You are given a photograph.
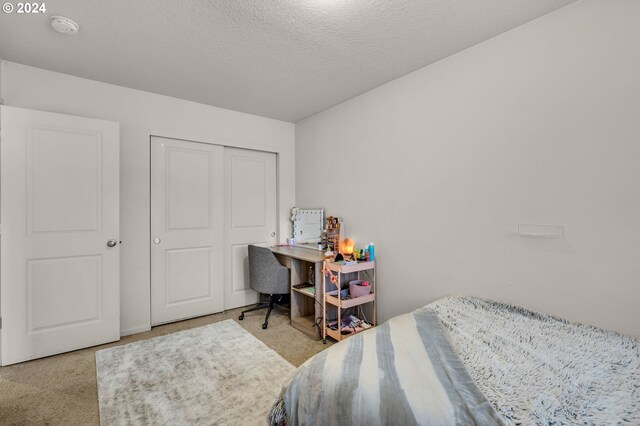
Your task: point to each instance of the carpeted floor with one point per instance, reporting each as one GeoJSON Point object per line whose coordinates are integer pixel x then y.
{"type": "Point", "coordinates": [62, 389]}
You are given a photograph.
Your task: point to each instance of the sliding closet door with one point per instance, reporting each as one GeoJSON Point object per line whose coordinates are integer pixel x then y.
{"type": "Point", "coordinates": [187, 195]}
{"type": "Point", "coordinates": [250, 217]}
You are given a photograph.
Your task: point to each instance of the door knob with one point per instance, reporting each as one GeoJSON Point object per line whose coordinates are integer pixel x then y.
{"type": "Point", "coordinates": [111, 243]}
{"type": "Point", "coordinates": [273, 234]}
{"type": "Point", "coordinates": [156, 240]}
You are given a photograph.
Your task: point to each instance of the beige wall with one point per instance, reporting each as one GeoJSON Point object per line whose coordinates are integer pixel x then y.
{"type": "Point", "coordinates": [140, 115]}
{"type": "Point", "coordinates": [540, 125]}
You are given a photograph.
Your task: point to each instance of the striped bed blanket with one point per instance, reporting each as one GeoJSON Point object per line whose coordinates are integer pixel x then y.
{"type": "Point", "coordinates": [466, 361]}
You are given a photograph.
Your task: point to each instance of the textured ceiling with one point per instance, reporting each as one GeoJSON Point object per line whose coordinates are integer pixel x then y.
{"type": "Point", "coordinates": [285, 59]}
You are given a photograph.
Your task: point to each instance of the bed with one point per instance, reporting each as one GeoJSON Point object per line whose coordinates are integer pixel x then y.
{"type": "Point", "coordinates": [465, 361]}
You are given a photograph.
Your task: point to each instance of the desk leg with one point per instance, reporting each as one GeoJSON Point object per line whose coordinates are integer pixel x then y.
{"type": "Point", "coordinates": [295, 278]}
{"type": "Point", "coordinates": [320, 306]}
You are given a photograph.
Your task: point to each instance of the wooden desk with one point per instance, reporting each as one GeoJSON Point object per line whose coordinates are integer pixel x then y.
{"type": "Point", "coordinates": [305, 308]}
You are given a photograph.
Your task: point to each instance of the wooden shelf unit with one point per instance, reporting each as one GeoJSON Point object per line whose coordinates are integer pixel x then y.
{"type": "Point", "coordinates": [305, 264]}
{"type": "Point", "coordinates": [337, 301]}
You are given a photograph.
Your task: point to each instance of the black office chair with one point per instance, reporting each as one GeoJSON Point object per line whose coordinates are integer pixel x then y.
{"type": "Point", "coordinates": [266, 276]}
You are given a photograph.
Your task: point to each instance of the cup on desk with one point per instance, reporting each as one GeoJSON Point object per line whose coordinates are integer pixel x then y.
{"type": "Point", "coordinates": [291, 241]}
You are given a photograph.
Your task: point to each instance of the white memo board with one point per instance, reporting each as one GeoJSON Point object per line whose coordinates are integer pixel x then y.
{"type": "Point", "coordinates": [307, 225]}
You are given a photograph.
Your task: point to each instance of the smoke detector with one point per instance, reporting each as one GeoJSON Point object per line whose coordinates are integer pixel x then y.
{"type": "Point", "coordinates": [65, 25]}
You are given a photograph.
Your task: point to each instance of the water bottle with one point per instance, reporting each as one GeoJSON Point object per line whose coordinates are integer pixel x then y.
{"type": "Point", "coordinates": [372, 251]}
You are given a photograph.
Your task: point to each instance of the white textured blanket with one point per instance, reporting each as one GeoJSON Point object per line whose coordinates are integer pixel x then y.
{"type": "Point", "coordinates": [464, 360]}
{"type": "Point", "coordinates": [538, 369]}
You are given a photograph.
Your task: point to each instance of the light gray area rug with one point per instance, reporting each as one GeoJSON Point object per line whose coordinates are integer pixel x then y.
{"type": "Point", "coordinates": [217, 374]}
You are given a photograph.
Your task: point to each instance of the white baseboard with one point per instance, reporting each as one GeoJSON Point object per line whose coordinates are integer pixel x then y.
{"type": "Point", "coordinates": [134, 330]}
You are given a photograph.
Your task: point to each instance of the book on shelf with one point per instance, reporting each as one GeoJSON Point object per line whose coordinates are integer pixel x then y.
{"type": "Point", "coordinates": [306, 288]}
{"type": "Point", "coordinates": [309, 290]}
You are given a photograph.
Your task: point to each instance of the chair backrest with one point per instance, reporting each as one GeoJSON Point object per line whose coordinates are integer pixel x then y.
{"type": "Point", "coordinates": [266, 274]}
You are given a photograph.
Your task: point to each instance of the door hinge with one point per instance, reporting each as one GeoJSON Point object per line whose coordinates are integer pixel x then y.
{"type": "Point", "coordinates": [0, 323]}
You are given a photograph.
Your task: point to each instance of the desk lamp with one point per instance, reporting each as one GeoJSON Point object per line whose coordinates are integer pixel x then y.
{"type": "Point", "coordinates": [346, 248]}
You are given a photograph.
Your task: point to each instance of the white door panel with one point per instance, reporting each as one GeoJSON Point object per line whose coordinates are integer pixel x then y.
{"type": "Point", "coordinates": [186, 229]}
{"type": "Point", "coordinates": [250, 217]}
{"type": "Point", "coordinates": [60, 204]}
{"type": "Point", "coordinates": [189, 273]}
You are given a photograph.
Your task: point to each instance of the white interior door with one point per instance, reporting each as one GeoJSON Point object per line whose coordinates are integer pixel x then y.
{"type": "Point", "coordinates": [250, 217]}
{"type": "Point", "coordinates": [186, 229]}
{"type": "Point", "coordinates": [60, 204]}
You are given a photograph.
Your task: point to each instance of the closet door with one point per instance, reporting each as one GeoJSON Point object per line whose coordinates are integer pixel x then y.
{"type": "Point", "coordinates": [187, 195]}
{"type": "Point", "coordinates": [250, 217]}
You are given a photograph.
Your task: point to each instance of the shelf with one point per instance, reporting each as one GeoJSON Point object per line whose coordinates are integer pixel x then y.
{"type": "Point", "coordinates": [349, 303]}
{"type": "Point", "coordinates": [345, 269]}
{"type": "Point", "coordinates": [342, 272]}
{"type": "Point", "coordinates": [305, 291]}
{"type": "Point", "coordinates": [335, 334]}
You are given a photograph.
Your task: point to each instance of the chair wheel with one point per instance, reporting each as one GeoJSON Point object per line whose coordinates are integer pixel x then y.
{"type": "Point", "coordinates": [265, 325]}
{"type": "Point", "coordinates": [324, 341]}
{"type": "Point", "coordinates": [241, 317]}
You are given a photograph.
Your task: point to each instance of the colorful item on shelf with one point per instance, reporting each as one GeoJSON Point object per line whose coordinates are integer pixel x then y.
{"type": "Point", "coordinates": [362, 255]}
{"type": "Point", "coordinates": [327, 272]}
{"type": "Point", "coordinates": [358, 289]}
{"type": "Point", "coordinates": [346, 262]}
{"type": "Point", "coordinates": [346, 246]}
{"type": "Point", "coordinates": [351, 324]}
{"type": "Point", "coordinates": [332, 234]}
